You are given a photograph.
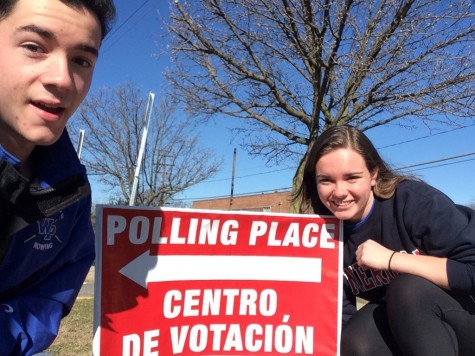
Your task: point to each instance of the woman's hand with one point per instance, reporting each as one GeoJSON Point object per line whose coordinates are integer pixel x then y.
{"type": "Point", "coordinates": [373, 255]}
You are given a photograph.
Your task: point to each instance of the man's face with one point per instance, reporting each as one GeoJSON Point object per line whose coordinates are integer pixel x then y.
{"type": "Point", "coordinates": [48, 51]}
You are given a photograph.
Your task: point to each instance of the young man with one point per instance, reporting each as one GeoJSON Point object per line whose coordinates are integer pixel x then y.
{"type": "Point", "coordinates": [48, 49]}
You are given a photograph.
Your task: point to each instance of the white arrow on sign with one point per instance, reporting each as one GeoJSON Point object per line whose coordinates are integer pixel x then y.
{"type": "Point", "coordinates": [147, 268]}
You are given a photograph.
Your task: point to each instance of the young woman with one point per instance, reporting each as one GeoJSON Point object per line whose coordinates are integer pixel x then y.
{"type": "Point", "coordinates": [408, 250]}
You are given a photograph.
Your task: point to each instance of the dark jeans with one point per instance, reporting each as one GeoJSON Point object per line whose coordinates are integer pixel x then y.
{"type": "Point", "coordinates": [416, 318]}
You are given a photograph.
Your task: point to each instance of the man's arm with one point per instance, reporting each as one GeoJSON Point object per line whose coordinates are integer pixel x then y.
{"type": "Point", "coordinates": [29, 323]}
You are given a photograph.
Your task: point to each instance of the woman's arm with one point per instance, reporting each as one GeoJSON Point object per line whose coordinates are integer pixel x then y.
{"type": "Point", "coordinates": [373, 255]}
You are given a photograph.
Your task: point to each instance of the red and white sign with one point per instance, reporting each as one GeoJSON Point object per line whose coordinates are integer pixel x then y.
{"type": "Point", "coordinates": [196, 282]}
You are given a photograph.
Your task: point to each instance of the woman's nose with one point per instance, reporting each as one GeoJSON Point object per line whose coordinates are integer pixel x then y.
{"type": "Point", "coordinates": [340, 189]}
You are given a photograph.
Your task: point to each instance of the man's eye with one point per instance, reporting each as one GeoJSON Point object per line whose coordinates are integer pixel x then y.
{"type": "Point", "coordinates": [32, 47]}
{"type": "Point", "coordinates": [83, 62]}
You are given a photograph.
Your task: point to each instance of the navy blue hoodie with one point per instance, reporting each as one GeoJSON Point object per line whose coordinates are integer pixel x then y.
{"type": "Point", "coordinates": [417, 219]}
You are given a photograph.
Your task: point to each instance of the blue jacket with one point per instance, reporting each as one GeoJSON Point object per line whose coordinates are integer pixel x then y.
{"type": "Point", "coordinates": [46, 245]}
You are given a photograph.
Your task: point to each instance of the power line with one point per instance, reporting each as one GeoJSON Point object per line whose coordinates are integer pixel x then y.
{"type": "Point", "coordinates": [427, 136]}
{"type": "Point", "coordinates": [391, 145]}
{"type": "Point", "coordinates": [239, 195]}
{"type": "Point", "coordinates": [397, 168]}
{"type": "Point", "coordinates": [446, 164]}
{"type": "Point", "coordinates": [438, 160]}
{"type": "Point", "coordinates": [251, 175]}
{"type": "Point", "coordinates": [115, 30]}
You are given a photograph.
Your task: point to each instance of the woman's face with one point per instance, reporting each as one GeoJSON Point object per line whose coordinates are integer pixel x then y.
{"type": "Point", "coordinates": [344, 184]}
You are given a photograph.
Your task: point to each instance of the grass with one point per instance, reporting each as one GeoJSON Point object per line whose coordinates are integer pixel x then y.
{"type": "Point", "coordinates": [76, 331]}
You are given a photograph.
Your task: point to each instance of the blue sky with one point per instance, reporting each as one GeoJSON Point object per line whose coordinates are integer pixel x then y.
{"type": "Point", "coordinates": [131, 53]}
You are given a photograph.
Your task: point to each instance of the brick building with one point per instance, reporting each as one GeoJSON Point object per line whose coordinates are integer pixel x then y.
{"type": "Point", "coordinates": [276, 202]}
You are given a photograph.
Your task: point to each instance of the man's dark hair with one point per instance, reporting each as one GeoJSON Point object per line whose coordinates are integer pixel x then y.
{"type": "Point", "coordinates": [103, 9]}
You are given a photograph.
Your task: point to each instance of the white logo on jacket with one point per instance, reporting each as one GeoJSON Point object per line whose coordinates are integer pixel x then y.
{"type": "Point", "coordinates": [45, 237]}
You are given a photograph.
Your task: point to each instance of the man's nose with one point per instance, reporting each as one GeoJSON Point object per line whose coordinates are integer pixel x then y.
{"type": "Point", "coordinates": [58, 73]}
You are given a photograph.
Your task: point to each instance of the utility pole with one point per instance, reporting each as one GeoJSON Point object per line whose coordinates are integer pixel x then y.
{"type": "Point", "coordinates": [148, 113]}
{"type": "Point", "coordinates": [232, 181]}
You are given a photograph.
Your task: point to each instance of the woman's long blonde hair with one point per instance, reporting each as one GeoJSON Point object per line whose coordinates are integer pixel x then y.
{"type": "Point", "coordinates": [338, 137]}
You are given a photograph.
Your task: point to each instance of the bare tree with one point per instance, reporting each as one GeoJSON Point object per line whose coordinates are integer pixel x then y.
{"type": "Point", "coordinates": [172, 161]}
{"type": "Point", "coordinates": [291, 68]}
